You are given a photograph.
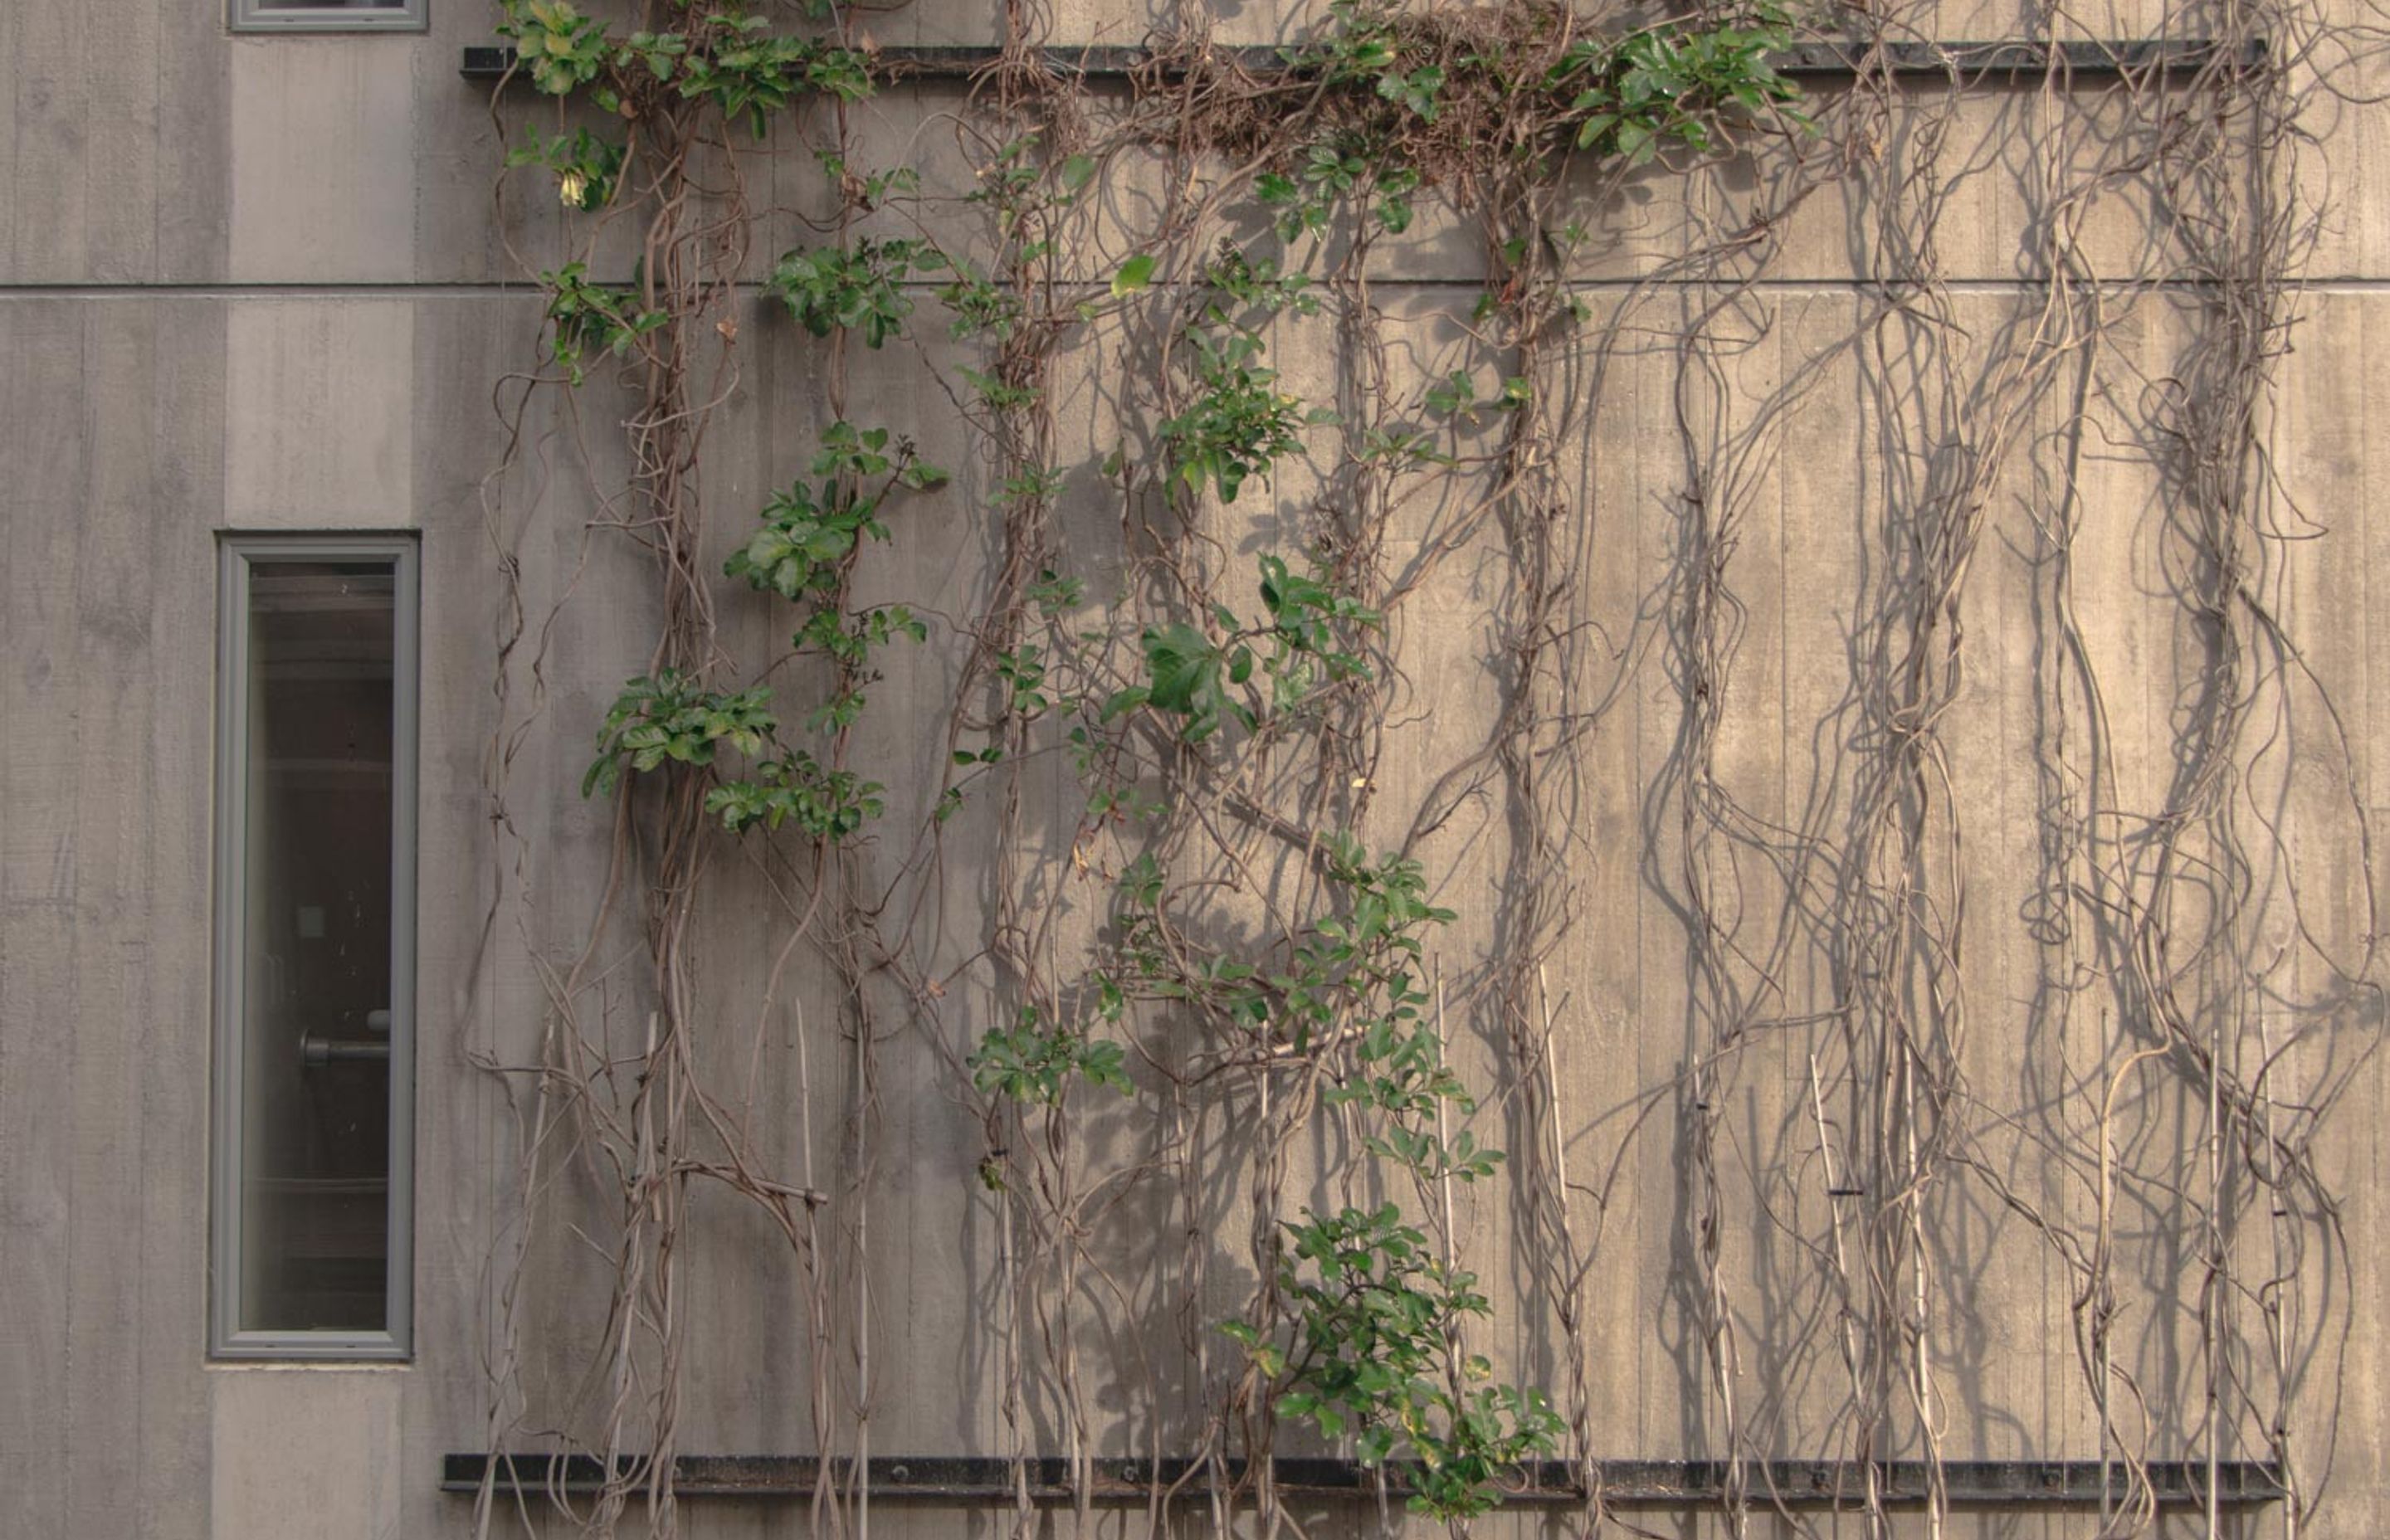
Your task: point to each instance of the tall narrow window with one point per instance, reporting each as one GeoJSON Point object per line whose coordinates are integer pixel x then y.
{"type": "Point", "coordinates": [315, 947]}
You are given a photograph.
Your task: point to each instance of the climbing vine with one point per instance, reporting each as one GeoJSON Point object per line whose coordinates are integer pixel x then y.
{"type": "Point", "coordinates": [1349, 671]}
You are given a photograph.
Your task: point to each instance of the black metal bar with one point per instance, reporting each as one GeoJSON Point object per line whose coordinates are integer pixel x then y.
{"type": "Point", "coordinates": [1817, 60]}
{"type": "Point", "coordinates": [965, 1479]}
{"type": "Point", "coordinates": [315, 1052]}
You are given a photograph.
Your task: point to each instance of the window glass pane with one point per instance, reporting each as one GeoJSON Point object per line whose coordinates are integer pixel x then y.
{"type": "Point", "coordinates": [325, 15]}
{"type": "Point", "coordinates": [315, 1031]}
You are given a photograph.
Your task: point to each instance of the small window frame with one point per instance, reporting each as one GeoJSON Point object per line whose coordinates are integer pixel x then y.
{"type": "Point", "coordinates": [236, 554]}
{"type": "Point", "coordinates": [265, 16]}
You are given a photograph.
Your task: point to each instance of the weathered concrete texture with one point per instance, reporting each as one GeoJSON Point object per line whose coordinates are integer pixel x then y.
{"type": "Point", "coordinates": [320, 400]}
{"type": "Point", "coordinates": [306, 1450]}
{"type": "Point", "coordinates": [144, 147]}
{"type": "Point", "coordinates": [113, 154]}
{"type": "Point", "coordinates": [322, 133]}
{"type": "Point", "coordinates": [114, 414]}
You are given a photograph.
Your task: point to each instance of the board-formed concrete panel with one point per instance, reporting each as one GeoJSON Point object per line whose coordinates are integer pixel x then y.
{"type": "Point", "coordinates": [319, 413]}
{"type": "Point", "coordinates": [300, 1454]}
{"type": "Point", "coordinates": [323, 157]}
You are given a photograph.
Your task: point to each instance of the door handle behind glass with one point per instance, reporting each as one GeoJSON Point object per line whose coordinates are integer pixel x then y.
{"type": "Point", "coordinates": [314, 1052]}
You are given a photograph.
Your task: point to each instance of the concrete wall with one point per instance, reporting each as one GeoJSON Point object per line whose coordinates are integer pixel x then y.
{"type": "Point", "coordinates": [262, 283]}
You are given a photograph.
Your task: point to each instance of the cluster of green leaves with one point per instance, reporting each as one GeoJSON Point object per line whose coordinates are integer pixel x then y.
{"type": "Point", "coordinates": [1638, 94]}
{"type": "Point", "coordinates": [1376, 1316]}
{"type": "Point", "coordinates": [811, 532]}
{"type": "Point", "coordinates": [794, 787]}
{"type": "Point", "coordinates": [1239, 424]}
{"type": "Point", "coordinates": [995, 394]}
{"type": "Point", "coordinates": [754, 72]}
{"type": "Point", "coordinates": [1358, 966]}
{"type": "Point", "coordinates": [563, 48]}
{"type": "Point", "coordinates": [1375, 1313]}
{"type": "Point", "coordinates": [1188, 676]}
{"type": "Point", "coordinates": [848, 641]}
{"type": "Point", "coordinates": [1009, 184]}
{"type": "Point", "coordinates": [673, 718]}
{"type": "Point", "coordinates": [1308, 627]}
{"type": "Point", "coordinates": [1360, 45]}
{"type": "Point", "coordinates": [1006, 180]}
{"type": "Point", "coordinates": [1329, 170]}
{"type": "Point", "coordinates": [588, 169]}
{"type": "Point", "coordinates": [855, 289]}
{"type": "Point", "coordinates": [1241, 283]}
{"type": "Point", "coordinates": [809, 539]}
{"type": "Point", "coordinates": [1029, 1063]}
{"type": "Point", "coordinates": [1203, 682]}
{"type": "Point", "coordinates": [725, 55]}
{"type": "Point", "coordinates": [587, 321]}
{"type": "Point", "coordinates": [982, 307]}
{"type": "Point", "coordinates": [867, 190]}
{"type": "Point", "coordinates": [810, 535]}
{"type": "Point", "coordinates": [1023, 669]}
{"type": "Point", "coordinates": [1630, 95]}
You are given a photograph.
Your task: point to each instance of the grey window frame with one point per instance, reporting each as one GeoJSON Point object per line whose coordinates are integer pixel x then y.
{"type": "Point", "coordinates": [236, 553]}
{"type": "Point", "coordinates": [265, 16]}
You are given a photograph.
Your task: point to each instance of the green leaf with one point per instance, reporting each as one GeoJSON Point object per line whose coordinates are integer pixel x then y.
{"type": "Point", "coordinates": [1133, 274]}
{"type": "Point", "coordinates": [1179, 662]}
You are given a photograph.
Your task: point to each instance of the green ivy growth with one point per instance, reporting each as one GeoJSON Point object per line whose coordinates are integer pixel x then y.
{"type": "Point", "coordinates": [723, 56]}
{"type": "Point", "coordinates": [855, 291]}
{"type": "Point", "coordinates": [587, 321]}
{"type": "Point", "coordinates": [1390, 79]}
{"type": "Point", "coordinates": [1375, 1314]}
{"type": "Point", "coordinates": [1347, 981]}
{"type": "Point", "coordinates": [1254, 284]}
{"type": "Point", "coordinates": [1029, 1063]}
{"type": "Point", "coordinates": [1638, 94]}
{"type": "Point", "coordinates": [588, 168]}
{"type": "Point", "coordinates": [811, 532]}
{"type": "Point", "coordinates": [795, 788]}
{"type": "Point", "coordinates": [1370, 1348]}
{"type": "Point", "coordinates": [671, 718]}
{"type": "Point", "coordinates": [982, 307]}
{"type": "Point", "coordinates": [1204, 683]}
{"type": "Point", "coordinates": [1238, 425]}
{"type": "Point", "coordinates": [1306, 191]}
{"type": "Point", "coordinates": [810, 537]}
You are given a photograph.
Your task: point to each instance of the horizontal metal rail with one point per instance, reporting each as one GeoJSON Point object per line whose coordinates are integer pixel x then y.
{"type": "Point", "coordinates": [970, 1479]}
{"type": "Point", "coordinates": [1979, 60]}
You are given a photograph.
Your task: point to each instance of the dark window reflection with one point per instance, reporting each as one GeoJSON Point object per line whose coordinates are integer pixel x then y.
{"type": "Point", "coordinates": [316, 1047]}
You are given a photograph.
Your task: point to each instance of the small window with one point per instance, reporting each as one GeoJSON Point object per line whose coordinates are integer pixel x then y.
{"type": "Point", "coordinates": [326, 16]}
{"type": "Point", "coordinates": [314, 924]}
